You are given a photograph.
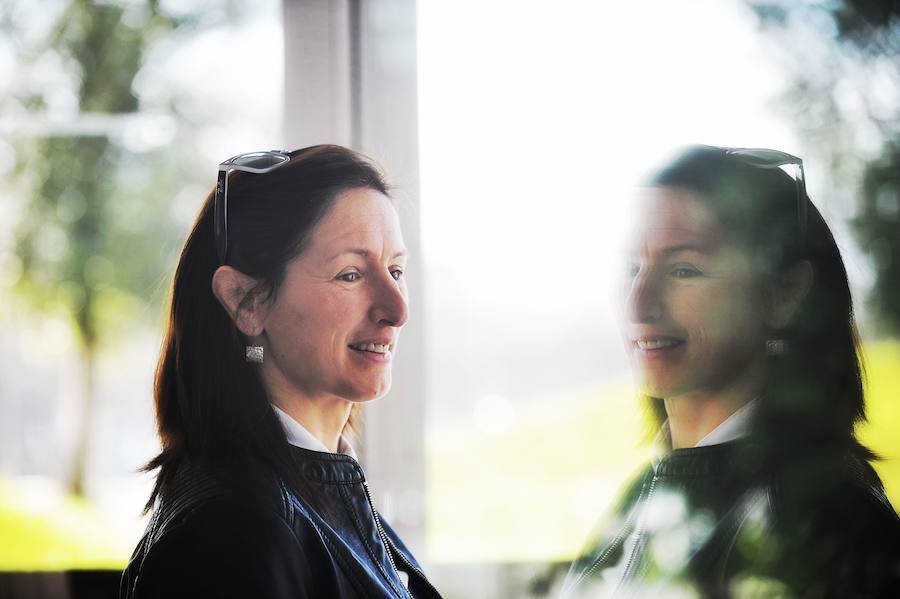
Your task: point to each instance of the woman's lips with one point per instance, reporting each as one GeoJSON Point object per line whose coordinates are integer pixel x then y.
{"type": "Point", "coordinates": [375, 352]}
{"type": "Point", "coordinates": [656, 347]}
{"type": "Point", "coordinates": [655, 344]}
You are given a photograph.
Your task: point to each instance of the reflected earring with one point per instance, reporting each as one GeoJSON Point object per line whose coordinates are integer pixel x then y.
{"type": "Point", "coordinates": [776, 347]}
{"type": "Point", "coordinates": [254, 354]}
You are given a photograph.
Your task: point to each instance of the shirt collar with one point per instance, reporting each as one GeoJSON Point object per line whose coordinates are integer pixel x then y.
{"type": "Point", "coordinates": [298, 436]}
{"type": "Point", "coordinates": [734, 427]}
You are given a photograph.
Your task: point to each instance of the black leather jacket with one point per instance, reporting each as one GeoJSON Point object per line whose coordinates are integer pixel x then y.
{"type": "Point", "coordinates": [716, 521]}
{"type": "Point", "coordinates": [241, 532]}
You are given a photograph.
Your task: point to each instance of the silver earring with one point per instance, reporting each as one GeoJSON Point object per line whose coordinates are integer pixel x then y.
{"type": "Point", "coordinates": [776, 347]}
{"type": "Point", "coordinates": [254, 354]}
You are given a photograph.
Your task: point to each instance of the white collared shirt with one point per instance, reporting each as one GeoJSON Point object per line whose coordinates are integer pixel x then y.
{"type": "Point", "coordinates": [734, 427]}
{"type": "Point", "coordinates": [299, 436]}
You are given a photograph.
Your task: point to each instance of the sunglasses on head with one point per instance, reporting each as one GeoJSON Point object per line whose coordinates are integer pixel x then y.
{"type": "Point", "coordinates": [768, 159]}
{"type": "Point", "coordinates": [251, 162]}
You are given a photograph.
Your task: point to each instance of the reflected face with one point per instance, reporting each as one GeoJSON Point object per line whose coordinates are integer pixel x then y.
{"type": "Point", "coordinates": [333, 327]}
{"type": "Point", "coordinates": [693, 310]}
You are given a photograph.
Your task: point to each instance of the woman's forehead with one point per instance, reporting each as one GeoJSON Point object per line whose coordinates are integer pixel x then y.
{"type": "Point", "coordinates": [359, 218]}
{"type": "Point", "coordinates": [668, 217]}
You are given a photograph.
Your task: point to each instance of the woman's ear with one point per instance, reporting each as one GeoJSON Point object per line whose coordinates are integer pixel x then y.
{"type": "Point", "coordinates": [234, 290]}
{"type": "Point", "coordinates": [788, 290]}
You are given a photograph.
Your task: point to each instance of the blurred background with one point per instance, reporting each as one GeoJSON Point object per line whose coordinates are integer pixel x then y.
{"type": "Point", "coordinates": [514, 131]}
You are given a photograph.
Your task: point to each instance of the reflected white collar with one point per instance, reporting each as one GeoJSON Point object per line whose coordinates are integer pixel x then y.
{"type": "Point", "coordinates": [298, 436]}
{"type": "Point", "coordinates": [734, 427]}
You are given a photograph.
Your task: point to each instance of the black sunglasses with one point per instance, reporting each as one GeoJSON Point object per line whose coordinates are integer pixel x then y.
{"type": "Point", "coordinates": [251, 162]}
{"type": "Point", "coordinates": [765, 158]}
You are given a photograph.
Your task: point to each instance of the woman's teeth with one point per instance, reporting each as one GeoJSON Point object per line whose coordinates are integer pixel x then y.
{"type": "Point", "coordinates": [377, 348]}
{"type": "Point", "coordinates": [656, 343]}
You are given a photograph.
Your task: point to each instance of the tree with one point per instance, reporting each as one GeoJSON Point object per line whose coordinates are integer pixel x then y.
{"type": "Point", "coordinates": [93, 238]}
{"type": "Point", "coordinates": [843, 101]}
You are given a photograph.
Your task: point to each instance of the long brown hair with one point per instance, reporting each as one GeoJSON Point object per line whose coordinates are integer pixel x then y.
{"type": "Point", "coordinates": [814, 394]}
{"type": "Point", "coordinates": [211, 406]}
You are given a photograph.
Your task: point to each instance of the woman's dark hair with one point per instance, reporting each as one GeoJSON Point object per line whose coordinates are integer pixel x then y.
{"type": "Point", "coordinates": [211, 406]}
{"type": "Point", "coordinates": [814, 392]}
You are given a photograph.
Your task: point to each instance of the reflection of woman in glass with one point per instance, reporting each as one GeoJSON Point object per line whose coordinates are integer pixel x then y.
{"type": "Point", "coordinates": [739, 320]}
{"type": "Point", "coordinates": [286, 308]}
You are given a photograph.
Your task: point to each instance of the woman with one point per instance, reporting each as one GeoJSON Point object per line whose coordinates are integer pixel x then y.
{"type": "Point", "coordinates": [287, 304]}
{"type": "Point", "coordinates": [739, 321]}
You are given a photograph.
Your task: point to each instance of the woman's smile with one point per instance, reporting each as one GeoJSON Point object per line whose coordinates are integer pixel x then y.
{"type": "Point", "coordinates": [379, 351]}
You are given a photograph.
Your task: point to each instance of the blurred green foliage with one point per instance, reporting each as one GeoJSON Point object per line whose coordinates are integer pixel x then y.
{"type": "Point", "coordinates": [877, 227]}
{"type": "Point", "coordinates": [842, 100]}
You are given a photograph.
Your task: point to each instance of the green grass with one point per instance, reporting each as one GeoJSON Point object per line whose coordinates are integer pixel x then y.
{"type": "Point", "coordinates": [41, 529]}
{"type": "Point", "coordinates": [533, 491]}
{"type": "Point", "coordinates": [882, 430]}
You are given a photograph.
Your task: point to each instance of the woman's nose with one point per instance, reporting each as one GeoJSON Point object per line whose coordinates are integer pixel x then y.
{"type": "Point", "coordinates": [643, 302]}
{"type": "Point", "coordinates": [390, 306]}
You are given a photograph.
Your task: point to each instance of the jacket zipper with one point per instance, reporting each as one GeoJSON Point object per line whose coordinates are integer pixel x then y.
{"type": "Point", "coordinates": [616, 540]}
{"type": "Point", "coordinates": [383, 536]}
{"type": "Point", "coordinates": [640, 533]}
{"type": "Point", "coordinates": [412, 567]}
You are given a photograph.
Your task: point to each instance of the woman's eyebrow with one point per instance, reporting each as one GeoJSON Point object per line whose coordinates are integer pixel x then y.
{"type": "Point", "coordinates": [365, 253]}
{"type": "Point", "coordinates": [666, 251]}
{"type": "Point", "coordinates": [686, 247]}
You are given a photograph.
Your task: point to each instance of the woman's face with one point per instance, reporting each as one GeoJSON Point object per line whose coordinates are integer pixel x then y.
{"type": "Point", "coordinates": [693, 309]}
{"type": "Point", "coordinates": [332, 329]}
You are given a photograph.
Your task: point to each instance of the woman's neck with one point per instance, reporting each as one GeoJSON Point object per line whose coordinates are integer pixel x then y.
{"type": "Point", "coordinates": [325, 420]}
{"type": "Point", "coordinates": [323, 416]}
{"type": "Point", "coordinates": [693, 416]}
{"type": "Point", "coordinates": [691, 419]}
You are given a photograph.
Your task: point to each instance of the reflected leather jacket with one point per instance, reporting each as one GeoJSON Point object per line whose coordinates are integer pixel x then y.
{"type": "Point", "coordinates": [715, 522]}
{"type": "Point", "coordinates": [241, 532]}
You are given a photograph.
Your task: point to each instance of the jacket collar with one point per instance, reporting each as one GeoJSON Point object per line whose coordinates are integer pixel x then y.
{"type": "Point", "coordinates": [324, 467]}
{"type": "Point", "coordinates": [708, 460]}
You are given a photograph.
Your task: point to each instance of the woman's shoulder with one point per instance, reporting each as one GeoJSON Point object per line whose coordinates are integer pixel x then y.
{"type": "Point", "coordinates": [835, 487]}
{"type": "Point", "coordinates": [229, 532]}
{"type": "Point", "coordinates": [832, 516]}
{"type": "Point", "coordinates": [195, 488]}
{"type": "Point", "coordinates": [226, 547]}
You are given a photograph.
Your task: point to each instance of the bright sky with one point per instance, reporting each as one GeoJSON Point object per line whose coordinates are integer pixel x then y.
{"type": "Point", "coordinates": [535, 123]}
{"type": "Point", "coordinates": [537, 120]}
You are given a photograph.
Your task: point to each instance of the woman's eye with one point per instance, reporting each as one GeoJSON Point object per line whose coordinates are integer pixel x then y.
{"type": "Point", "coordinates": [685, 273]}
{"type": "Point", "coordinates": [397, 274]}
{"type": "Point", "coordinates": [349, 277]}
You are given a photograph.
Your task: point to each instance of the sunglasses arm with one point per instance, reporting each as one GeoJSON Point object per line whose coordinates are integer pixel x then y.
{"type": "Point", "coordinates": [221, 214]}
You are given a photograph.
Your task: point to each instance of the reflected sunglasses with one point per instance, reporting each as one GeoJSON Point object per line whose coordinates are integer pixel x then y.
{"type": "Point", "coordinates": [251, 162]}
{"type": "Point", "coordinates": [768, 159]}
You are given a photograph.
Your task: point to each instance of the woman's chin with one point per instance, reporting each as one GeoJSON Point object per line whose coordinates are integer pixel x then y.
{"type": "Point", "coordinates": [371, 391]}
{"type": "Point", "coordinates": [657, 388]}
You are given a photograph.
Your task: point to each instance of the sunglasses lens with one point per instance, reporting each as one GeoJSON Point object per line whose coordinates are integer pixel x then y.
{"type": "Point", "coordinates": [260, 160]}
{"type": "Point", "coordinates": [763, 158]}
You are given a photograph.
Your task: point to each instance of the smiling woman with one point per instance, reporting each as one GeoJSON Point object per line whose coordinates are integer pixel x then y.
{"type": "Point", "coordinates": [329, 333]}
{"type": "Point", "coordinates": [738, 320]}
{"type": "Point", "coordinates": [287, 306]}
